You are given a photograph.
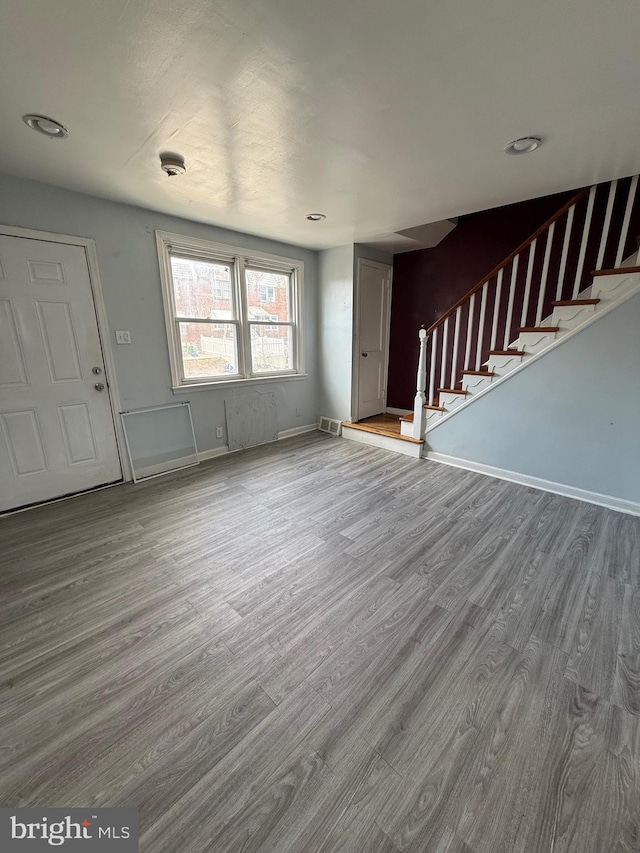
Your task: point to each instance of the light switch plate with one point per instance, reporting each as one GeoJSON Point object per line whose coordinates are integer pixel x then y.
{"type": "Point", "coordinates": [219, 432]}
{"type": "Point", "coordinates": [123, 337]}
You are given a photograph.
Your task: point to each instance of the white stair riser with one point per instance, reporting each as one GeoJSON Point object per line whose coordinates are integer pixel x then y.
{"type": "Point", "coordinates": [610, 286]}
{"type": "Point", "coordinates": [451, 401]}
{"type": "Point", "coordinates": [385, 442]}
{"type": "Point", "coordinates": [535, 341]}
{"type": "Point", "coordinates": [431, 416]}
{"type": "Point", "coordinates": [474, 384]}
{"type": "Point", "coordinates": [570, 316]}
{"type": "Point", "coordinates": [502, 364]}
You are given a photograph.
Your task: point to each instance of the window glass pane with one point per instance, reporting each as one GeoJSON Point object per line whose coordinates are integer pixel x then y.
{"type": "Point", "coordinates": [271, 351]}
{"type": "Point", "coordinates": [208, 349]}
{"type": "Point", "coordinates": [202, 289]}
{"type": "Point", "coordinates": [268, 295]}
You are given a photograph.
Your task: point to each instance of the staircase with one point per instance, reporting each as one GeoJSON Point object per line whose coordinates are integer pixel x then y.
{"type": "Point", "coordinates": [572, 270]}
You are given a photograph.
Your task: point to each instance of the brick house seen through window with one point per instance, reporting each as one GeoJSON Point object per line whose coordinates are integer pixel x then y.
{"type": "Point", "coordinates": [232, 320]}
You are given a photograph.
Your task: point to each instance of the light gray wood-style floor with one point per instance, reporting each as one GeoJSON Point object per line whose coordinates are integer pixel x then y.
{"type": "Point", "coordinates": [319, 646]}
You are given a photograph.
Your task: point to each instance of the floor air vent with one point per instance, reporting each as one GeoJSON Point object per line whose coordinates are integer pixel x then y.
{"type": "Point", "coordinates": [329, 425]}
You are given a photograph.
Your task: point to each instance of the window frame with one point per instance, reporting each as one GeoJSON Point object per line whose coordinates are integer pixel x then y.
{"type": "Point", "coordinates": [191, 248]}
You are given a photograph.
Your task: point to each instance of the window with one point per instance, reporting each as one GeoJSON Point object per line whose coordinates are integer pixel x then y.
{"type": "Point", "coordinates": [267, 294]}
{"type": "Point", "coordinates": [230, 314]}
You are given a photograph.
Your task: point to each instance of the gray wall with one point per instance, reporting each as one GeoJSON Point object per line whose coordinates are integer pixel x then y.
{"type": "Point", "coordinates": [335, 331]}
{"type": "Point", "coordinates": [128, 263]}
{"type": "Point", "coordinates": [371, 254]}
{"type": "Point", "coordinates": [338, 271]}
{"type": "Point", "coordinates": [572, 417]}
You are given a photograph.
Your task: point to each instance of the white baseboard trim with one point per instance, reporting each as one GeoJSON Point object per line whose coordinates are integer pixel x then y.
{"type": "Point", "coordinates": [401, 412]}
{"type": "Point", "coordinates": [287, 433]}
{"type": "Point", "coordinates": [204, 455]}
{"type": "Point", "coordinates": [608, 501]}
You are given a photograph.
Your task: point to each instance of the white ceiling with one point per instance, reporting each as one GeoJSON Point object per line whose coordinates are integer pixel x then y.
{"type": "Point", "coordinates": [383, 115]}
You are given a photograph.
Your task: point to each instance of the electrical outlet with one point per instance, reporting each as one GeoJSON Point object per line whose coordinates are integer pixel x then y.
{"type": "Point", "coordinates": [123, 337]}
{"type": "Point", "coordinates": [298, 413]}
{"type": "Point", "coordinates": [219, 432]}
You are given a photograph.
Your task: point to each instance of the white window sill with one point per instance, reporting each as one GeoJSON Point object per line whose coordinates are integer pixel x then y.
{"type": "Point", "coordinates": [230, 383]}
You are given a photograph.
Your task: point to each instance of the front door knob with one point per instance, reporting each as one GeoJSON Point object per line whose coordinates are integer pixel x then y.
{"type": "Point", "coordinates": [365, 354]}
{"type": "Point", "coordinates": [99, 386]}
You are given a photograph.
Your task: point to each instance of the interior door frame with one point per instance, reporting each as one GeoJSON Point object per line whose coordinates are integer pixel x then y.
{"type": "Point", "coordinates": [91, 257]}
{"type": "Point", "coordinates": [355, 358]}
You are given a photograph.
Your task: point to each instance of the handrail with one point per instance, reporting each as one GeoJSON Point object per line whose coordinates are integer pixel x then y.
{"type": "Point", "coordinates": [565, 207]}
{"type": "Point", "coordinates": [484, 325]}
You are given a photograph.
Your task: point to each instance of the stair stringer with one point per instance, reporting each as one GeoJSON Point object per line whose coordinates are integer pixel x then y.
{"type": "Point", "coordinates": [618, 297]}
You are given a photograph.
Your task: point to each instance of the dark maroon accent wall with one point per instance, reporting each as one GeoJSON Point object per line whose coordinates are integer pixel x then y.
{"type": "Point", "coordinates": [428, 282]}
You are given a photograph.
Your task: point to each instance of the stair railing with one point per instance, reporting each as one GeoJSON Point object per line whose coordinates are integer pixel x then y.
{"type": "Point", "coordinates": [421, 385]}
{"type": "Point", "coordinates": [553, 264]}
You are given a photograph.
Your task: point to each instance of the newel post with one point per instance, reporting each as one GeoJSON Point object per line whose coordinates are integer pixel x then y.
{"type": "Point", "coordinates": [421, 384]}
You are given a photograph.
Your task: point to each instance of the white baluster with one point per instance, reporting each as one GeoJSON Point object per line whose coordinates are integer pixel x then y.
{"type": "Point", "coordinates": [545, 273]}
{"type": "Point", "coordinates": [606, 225]}
{"type": "Point", "coordinates": [467, 352]}
{"type": "Point", "coordinates": [527, 286]}
{"type": "Point", "coordinates": [421, 382]}
{"type": "Point", "coordinates": [454, 356]}
{"type": "Point", "coordinates": [483, 311]}
{"type": "Point", "coordinates": [625, 222]}
{"type": "Point", "coordinates": [583, 245]}
{"type": "Point", "coordinates": [565, 251]}
{"type": "Point", "coordinates": [496, 311]}
{"type": "Point", "coordinates": [443, 360]}
{"type": "Point", "coordinates": [512, 294]}
{"type": "Point", "coordinates": [432, 367]}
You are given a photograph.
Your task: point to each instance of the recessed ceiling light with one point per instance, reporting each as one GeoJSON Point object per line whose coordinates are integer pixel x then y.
{"type": "Point", "coordinates": [523, 145]}
{"type": "Point", "coordinates": [316, 217]}
{"type": "Point", "coordinates": [46, 126]}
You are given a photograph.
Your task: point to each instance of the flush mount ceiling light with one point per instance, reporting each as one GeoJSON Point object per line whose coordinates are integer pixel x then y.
{"type": "Point", "coordinates": [46, 126]}
{"type": "Point", "coordinates": [172, 164]}
{"type": "Point", "coordinates": [523, 145]}
{"type": "Point", "coordinates": [316, 217]}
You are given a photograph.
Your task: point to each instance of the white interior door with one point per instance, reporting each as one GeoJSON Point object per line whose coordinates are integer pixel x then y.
{"type": "Point", "coordinates": [57, 434]}
{"type": "Point", "coordinates": [374, 288]}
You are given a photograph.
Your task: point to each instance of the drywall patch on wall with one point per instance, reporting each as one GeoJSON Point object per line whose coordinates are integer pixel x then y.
{"type": "Point", "coordinates": [251, 419]}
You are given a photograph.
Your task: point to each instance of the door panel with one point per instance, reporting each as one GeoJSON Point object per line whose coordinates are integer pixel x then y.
{"type": "Point", "coordinates": [12, 366]}
{"type": "Point", "coordinates": [373, 307]}
{"type": "Point", "coordinates": [56, 429]}
{"type": "Point", "coordinates": [24, 442]}
{"type": "Point", "coordinates": [77, 432]}
{"type": "Point", "coordinates": [59, 341]}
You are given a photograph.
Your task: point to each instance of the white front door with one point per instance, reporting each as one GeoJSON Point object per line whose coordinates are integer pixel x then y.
{"type": "Point", "coordinates": [57, 434]}
{"type": "Point", "coordinates": [374, 287]}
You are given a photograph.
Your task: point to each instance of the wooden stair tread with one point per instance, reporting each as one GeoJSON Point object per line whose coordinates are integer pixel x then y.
{"type": "Point", "coordinates": [506, 352]}
{"type": "Point", "coordinates": [478, 373]}
{"type": "Point", "coordinates": [539, 329]}
{"type": "Point", "coordinates": [389, 433]}
{"type": "Point", "coordinates": [562, 302]}
{"type": "Point", "coordinates": [451, 391]}
{"type": "Point", "coordinates": [617, 271]}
